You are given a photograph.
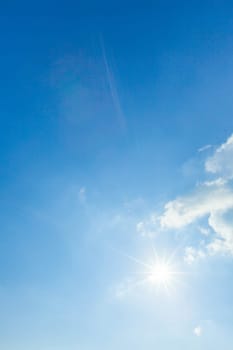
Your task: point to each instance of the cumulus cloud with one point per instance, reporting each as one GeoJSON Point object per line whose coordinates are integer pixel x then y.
{"type": "Point", "coordinates": [205, 200]}
{"type": "Point", "coordinates": [222, 225]}
{"type": "Point", "coordinates": [215, 202]}
{"type": "Point", "coordinates": [211, 200]}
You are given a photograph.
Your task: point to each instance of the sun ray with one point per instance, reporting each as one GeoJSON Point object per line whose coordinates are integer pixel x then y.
{"type": "Point", "coordinates": [132, 258]}
{"type": "Point", "coordinates": [161, 273]}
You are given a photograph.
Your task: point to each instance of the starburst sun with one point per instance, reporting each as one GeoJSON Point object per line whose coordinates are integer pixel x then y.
{"type": "Point", "coordinates": [156, 273]}
{"type": "Point", "coordinates": [161, 274]}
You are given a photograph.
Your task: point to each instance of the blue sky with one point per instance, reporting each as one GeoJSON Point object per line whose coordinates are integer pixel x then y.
{"type": "Point", "coordinates": [116, 176]}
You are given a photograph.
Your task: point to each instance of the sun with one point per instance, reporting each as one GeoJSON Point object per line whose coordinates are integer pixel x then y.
{"type": "Point", "coordinates": [161, 274]}
{"type": "Point", "coordinates": [157, 272]}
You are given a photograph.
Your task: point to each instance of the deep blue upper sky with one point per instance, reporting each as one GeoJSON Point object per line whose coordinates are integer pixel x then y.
{"type": "Point", "coordinates": [103, 108]}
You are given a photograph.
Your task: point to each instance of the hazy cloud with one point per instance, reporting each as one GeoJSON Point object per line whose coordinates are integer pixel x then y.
{"type": "Point", "coordinates": [198, 331]}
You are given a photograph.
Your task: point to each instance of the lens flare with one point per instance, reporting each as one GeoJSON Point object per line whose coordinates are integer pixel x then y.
{"type": "Point", "coordinates": [156, 273]}
{"type": "Point", "coordinates": [160, 273]}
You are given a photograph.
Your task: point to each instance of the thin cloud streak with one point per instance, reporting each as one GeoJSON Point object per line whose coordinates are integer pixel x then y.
{"type": "Point", "coordinates": [112, 88]}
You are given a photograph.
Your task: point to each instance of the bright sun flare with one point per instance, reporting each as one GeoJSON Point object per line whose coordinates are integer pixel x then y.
{"type": "Point", "coordinates": [161, 273]}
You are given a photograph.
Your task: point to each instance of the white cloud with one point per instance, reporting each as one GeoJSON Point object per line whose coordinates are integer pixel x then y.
{"type": "Point", "coordinates": [215, 202]}
{"type": "Point", "coordinates": [223, 241]}
{"type": "Point", "coordinates": [218, 182]}
{"type": "Point", "coordinates": [205, 200]}
{"type": "Point", "coordinates": [198, 331]}
{"type": "Point", "coordinates": [212, 199]}
{"type": "Point", "coordinates": [204, 231]}
{"type": "Point", "coordinates": [192, 255]}
{"type": "Point", "coordinates": [221, 161]}
{"type": "Point", "coordinates": [147, 228]}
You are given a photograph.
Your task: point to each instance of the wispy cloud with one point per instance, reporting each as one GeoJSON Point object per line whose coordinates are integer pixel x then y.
{"type": "Point", "coordinates": [113, 89]}
{"type": "Point", "coordinates": [147, 227]}
{"type": "Point", "coordinates": [82, 195]}
{"type": "Point", "coordinates": [192, 255]}
{"type": "Point", "coordinates": [86, 101]}
{"type": "Point", "coordinates": [204, 148]}
{"type": "Point", "coordinates": [221, 161]}
{"type": "Point", "coordinates": [204, 231]}
{"type": "Point", "coordinates": [198, 331]}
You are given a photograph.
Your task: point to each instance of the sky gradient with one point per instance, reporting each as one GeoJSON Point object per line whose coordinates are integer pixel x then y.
{"type": "Point", "coordinates": [116, 154]}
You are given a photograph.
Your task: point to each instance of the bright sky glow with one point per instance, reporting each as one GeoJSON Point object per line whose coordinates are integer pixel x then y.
{"type": "Point", "coordinates": [161, 274]}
